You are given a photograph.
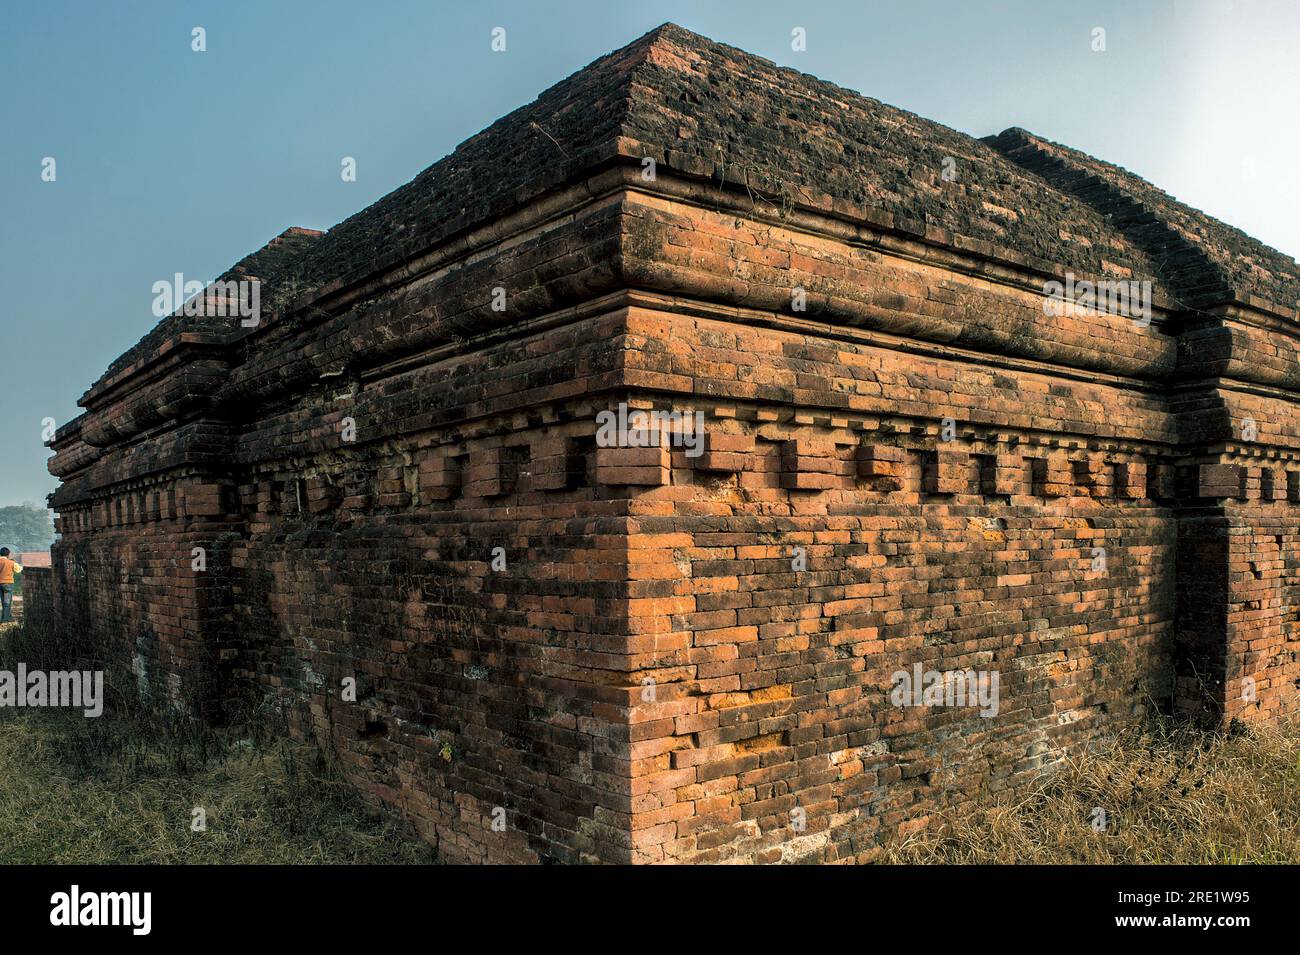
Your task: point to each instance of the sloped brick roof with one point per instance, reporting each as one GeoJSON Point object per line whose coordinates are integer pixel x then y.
{"type": "Point", "coordinates": [275, 265]}
{"type": "Point", "coordinates": [720, 112]}
{"type": "Point", "coordinates": [741, 118]}
{"type": "Point", "coordinates": [569, 129]}
{"type": "Point", "coordinates": [1198, 257]}
{"type": "Point", "coordinates": [714, 111]}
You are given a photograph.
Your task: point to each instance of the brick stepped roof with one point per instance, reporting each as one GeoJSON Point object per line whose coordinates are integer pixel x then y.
{"type": "Point", "coordinates": [733, 117]}
{"type": "Point", "coordinates": [714, 111]}
{"type": "Point", "coordinates": [569, 129]}
{"type": "Point", "coordinates": [1200, 258]}
{"type": "Point", "coordinates": [739, 117]}
{"type": "Point", "coordinates": [276, 265]}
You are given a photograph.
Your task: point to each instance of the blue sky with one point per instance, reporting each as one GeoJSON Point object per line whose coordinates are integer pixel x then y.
{"type": "Point", "coordinates": [174, 161]}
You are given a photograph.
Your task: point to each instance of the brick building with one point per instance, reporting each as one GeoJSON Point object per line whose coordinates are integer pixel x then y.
{"type": "Point", "coordinates": [910, 459]}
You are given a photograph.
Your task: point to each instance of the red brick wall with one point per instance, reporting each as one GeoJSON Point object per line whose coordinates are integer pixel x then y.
{"type": "Point", "coordinates": [648, 678]}
{"type": "Point", "coordinates": [773, 684]}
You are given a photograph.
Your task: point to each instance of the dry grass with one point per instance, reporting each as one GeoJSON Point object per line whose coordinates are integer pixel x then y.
{"type": "Point", "coordinates": [1171, 796]}
{"type": "Point", "coordinates": [83, 791]}
{"type": "Point", "coordinates": [121, 789]}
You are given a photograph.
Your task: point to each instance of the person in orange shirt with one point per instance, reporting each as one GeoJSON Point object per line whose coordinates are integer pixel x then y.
{"type": "Point", "coordinates": [7, 570]}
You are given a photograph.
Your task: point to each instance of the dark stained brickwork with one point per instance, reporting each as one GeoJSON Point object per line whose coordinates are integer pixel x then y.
{"type": "Point", "coordinates": [1199, 259]}
{"type": "Point", "coordinates": [636, 654]}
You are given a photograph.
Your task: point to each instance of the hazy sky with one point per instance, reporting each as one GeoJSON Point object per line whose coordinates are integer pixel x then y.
{"type": "Point", "coordinates": [174, 161]}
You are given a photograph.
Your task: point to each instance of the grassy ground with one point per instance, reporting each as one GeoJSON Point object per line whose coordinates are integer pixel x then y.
{"type": "Point", "coordinates": [75, 790]}
{"type": "Point", "coordinates": [1170, 796]}
{"type": "Point", "coordinates": [123, 787]}
{"type": "Point", "coordinates": [96, 791]}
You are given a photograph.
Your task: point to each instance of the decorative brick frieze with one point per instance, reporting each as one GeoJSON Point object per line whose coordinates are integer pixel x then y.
{"type": "Point", "coordinates": [881, 465]}
{"type": "Point", "coordinates": [809, 465]}
{"type": "Point", "coordinates": [1004, 474]}
{"type": "Point", "coordinates": [1162, 482]}
{"type": "Point", "coordinates": [440, 475]}
{"type": "Point", "coordinates": [1272, 484]}
{"type": "Point", "coordinates": [1091, 478]}
{"type": "Point", "coordinates": [633, 467]}
{"type": "Point", "coordinates": [730, 453]}
{"type": "Point", "coordinates": [945, 471]}
{"type": "Point", "coordinates": [1052, 475]}
{"type": "Point", "coordinates": [1222, 481]}
{"type": "Point", "coordinates": [1130, 479]}
{"type": "Point", "coordinates": [558, 463]}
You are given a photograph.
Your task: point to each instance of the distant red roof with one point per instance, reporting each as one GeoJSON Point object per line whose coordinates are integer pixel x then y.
{"type": "Point", "coordinates": [34, 558]}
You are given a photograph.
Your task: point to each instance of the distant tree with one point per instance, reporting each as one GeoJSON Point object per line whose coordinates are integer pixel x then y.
{"type": "Point", "coordinates": [26, 527]}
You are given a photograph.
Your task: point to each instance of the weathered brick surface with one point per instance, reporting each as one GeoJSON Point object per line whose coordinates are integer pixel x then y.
{"type": "Point", "coordinates": [640, 654]}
